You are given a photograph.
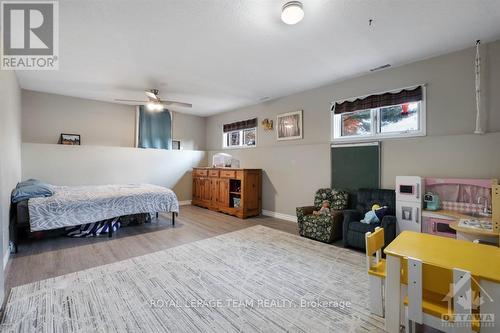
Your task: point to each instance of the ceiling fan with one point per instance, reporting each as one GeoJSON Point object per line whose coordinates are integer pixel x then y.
{"type": "Point", "coordinates": [155, 102]}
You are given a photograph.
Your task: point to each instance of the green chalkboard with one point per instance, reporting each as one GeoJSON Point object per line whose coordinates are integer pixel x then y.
{"type": "Point", "coordinates": [354, 167]}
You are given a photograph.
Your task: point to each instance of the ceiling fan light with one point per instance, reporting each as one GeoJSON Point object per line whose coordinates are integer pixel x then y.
{"type": "Point", "coordinates": [292, 12]}
{"type": "Point", "coordinates": [154, 106]}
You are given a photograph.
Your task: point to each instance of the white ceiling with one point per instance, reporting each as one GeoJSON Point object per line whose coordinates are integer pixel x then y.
{"type": "Point", "coordinates": [223, 54]}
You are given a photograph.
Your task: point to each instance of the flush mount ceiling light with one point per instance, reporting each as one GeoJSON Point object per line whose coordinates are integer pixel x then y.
{"type": "Point", "coordinates": [292, 12]}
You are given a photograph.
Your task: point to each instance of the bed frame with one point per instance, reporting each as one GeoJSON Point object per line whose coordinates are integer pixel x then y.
{"type": "Point", "coordinates": [110, 229]}
{"type": "Point", "coordinates": [19, 220]}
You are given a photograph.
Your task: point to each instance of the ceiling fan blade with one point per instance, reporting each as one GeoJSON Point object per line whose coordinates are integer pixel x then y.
{"type": "Point", "coordinates": [185, 105]}
{"type": "Point", "coordinates": [151, 95]}
{"type": "Point", "coordinates": [130, 100]}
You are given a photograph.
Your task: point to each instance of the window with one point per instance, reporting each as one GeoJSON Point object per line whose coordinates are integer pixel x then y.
{"type": "Point", "coordinates": [375, 117]}
{"type": "Point", "coordinates": [241, 134]}
{"type": "Point", "coordinates": [241, 138]}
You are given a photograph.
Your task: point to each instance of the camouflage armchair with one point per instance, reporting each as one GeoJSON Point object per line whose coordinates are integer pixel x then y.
{"type": "Point", "coordinates": [324, 228]}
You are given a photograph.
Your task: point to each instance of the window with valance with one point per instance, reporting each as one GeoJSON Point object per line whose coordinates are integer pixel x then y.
{"type": "Point", "coordinates": [240, 134]}
{"type": "Point", "coordinates": [399, 113]}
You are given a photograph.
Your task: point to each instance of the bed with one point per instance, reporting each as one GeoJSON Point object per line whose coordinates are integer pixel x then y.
{"type": "Point", "coordinates": [78, 205]}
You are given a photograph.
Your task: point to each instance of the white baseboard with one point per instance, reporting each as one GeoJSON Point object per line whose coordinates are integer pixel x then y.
{"type": "Point", "coordinates": [184, 203]}
{"type": "Point", "coordinates": [279, 215]}
{"type": "Point", "coordinates": [6, 258]}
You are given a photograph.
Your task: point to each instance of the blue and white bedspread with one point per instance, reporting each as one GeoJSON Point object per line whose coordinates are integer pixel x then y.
{"type": "Point", "coordinates": [76, 205]}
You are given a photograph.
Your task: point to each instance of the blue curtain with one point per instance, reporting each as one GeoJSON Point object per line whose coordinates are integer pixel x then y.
{"type": "Point", "coordinates": [155, 129]}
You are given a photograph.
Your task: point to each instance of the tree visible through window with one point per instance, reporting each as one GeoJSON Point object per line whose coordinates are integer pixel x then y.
{"type": "Point", "coordinates": [399, 118]}
{"type": "Point", "coordinates": [356, 123]}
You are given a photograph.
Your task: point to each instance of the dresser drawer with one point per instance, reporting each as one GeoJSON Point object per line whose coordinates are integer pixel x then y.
{"type": "Point", "coordinates": [227, 174]}
{"type": "Point", "coordinates": [200, 173]}
{"type": "Point", "coordinates": [213, 173]}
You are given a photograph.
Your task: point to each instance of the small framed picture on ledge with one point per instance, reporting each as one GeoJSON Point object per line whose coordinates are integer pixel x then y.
{"type": "Point", "coordinates": [176, 144]}
{"type": "Point", "coordinates": [70, 139]}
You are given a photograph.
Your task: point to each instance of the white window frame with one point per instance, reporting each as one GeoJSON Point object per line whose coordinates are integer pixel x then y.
{"type": "Point", "coordinates": [241, 145]}
{"type": "Point", "coordinates": [336, 126]}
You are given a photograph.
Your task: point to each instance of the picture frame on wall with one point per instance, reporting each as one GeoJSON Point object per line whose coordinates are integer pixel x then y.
{"type": "Point", "coordinates": [176, 145]}
{"type": "Point", "coordinates": [289, 126]}
{"type": "Point", "coordinates": [70, 139]}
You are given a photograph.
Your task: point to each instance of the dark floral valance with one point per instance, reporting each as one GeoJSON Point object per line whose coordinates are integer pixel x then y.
{"type": "Point", "coordinates": [240, 125]}
{"type": "Point", "coordinates": [377, 101]}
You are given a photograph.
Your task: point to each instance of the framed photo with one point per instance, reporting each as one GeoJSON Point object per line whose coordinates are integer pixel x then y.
{"type": "Point", "coordinates": [176, 145]}
{"type": "Point", "coordinates": [69, 139]}
{"type": "Point", "coordinates": [289, 125]}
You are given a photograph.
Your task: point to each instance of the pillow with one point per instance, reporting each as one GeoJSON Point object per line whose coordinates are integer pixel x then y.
{"type": "Point", "coordinates": [31, 190]}
{"type": "Point", "coordinates": [28, 182]}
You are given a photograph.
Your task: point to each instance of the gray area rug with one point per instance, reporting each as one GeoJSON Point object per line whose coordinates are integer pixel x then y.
{"type": "Point", "coordinates": [253, 280]}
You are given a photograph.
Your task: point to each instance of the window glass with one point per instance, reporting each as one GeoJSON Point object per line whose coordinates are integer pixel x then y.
{"type": "Point", "coordinates": [356, 123]}
{"type": "Point", "coordinates": [249, 137]}
{"type": "Point", "coordinates": [399, 118]}
{"type": "Point", "coordinates": [234, 138]}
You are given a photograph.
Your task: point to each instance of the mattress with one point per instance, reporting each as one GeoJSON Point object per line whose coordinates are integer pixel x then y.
{"type": "Point", "coordinates": [76, 205]}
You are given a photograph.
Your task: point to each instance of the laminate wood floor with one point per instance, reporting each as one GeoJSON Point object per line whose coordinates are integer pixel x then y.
{"type": "Point", "coordinates": [50, 257]}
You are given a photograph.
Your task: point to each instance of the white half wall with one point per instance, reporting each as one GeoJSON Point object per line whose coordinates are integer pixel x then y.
{"type": "Point", "coordinates": [95, 165]}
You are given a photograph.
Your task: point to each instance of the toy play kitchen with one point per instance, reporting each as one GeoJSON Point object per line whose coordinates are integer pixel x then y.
{"type": "Point", "coordinates": [467, 209]}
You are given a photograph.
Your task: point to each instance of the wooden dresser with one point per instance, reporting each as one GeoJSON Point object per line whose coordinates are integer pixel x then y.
{"type": "Point", "coordinates": [233, 191]}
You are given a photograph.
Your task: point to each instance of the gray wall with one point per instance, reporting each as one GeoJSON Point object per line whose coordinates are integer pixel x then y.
{"type": "Point", "coordinates": [10, 156]}
{"type": "Point", "coordinates": [293, 170]}
{"type": "Point", "coordinates": [191, 130]}
{"type": "Point", "coordinates": [45, 116]}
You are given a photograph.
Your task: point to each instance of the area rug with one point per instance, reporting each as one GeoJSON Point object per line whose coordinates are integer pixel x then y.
{"type": "Point", "coordinates": [253, 280]}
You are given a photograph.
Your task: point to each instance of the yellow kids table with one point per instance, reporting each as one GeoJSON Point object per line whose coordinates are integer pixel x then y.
{"type": "Point", "coordinates": [482, 261]}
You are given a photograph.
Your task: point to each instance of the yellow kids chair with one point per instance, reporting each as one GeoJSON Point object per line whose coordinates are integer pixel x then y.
{"type": "Point", "coordinates": [436, 295]}
{"type": "Point", "coordinates": [375, 265]}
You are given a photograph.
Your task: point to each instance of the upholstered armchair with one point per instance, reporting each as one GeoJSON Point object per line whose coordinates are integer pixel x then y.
{"type": "Point", "coordinates": [324, 228]}
{"type": "Point", "coordinates": [354, 231]}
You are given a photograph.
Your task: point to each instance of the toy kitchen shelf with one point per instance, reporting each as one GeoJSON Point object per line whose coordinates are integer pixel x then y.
{"type": "Point", "coordinates": [459, 199]}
